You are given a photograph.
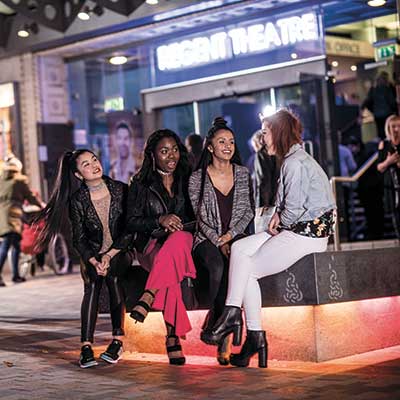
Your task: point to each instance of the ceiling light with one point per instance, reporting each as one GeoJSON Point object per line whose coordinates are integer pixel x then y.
{"type": "Point", "coordinates": [23, 33]}
{"type": "Point", "coordinates": [27, 29]}
{"type": "Point", "coordinates": [353, 68]}
{"type": "Point", "coordinates": [152, 2]}
{"type": "Point", "coordinates": [86, 12]}
{"type": "Point", "coordinates": [118, 60]}
{"type": "Point", "coordinates": [83, 15]}
{"type": "Point", "coordinates": [335, 64]}
{"type": "Point", "coordinates": [376, 3]}
{"type": "Point", "coordinates": [294, 56]}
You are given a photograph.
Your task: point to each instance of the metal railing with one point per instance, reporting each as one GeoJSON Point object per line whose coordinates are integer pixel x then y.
{"type": "Point", "coordinates": [350, 179]}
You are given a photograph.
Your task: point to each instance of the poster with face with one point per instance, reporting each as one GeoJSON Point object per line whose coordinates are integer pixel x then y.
{"type": "Point", "coordinates": [126, 144]}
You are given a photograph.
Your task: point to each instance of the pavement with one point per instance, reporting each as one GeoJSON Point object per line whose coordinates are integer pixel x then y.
{"type": "Point", "coordinates": [39, 349]}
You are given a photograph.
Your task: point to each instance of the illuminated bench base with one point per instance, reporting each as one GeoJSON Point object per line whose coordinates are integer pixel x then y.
{"type": "Point", "coordinates": [307, 333]}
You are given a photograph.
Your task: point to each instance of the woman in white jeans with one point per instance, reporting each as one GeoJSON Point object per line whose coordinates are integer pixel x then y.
{"type": "Point", "coordinates": [304, 219]}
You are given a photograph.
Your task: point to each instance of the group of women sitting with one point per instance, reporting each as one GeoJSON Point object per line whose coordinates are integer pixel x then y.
{"type": "Point", "coordinates": [180, 222]}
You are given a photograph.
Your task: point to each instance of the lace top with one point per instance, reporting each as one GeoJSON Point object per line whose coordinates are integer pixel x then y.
{"type": "Point", "coordinates": [102, 207]}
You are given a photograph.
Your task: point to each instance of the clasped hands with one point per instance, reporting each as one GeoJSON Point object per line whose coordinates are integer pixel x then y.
{"type": "Point", "coordinates": [223, 244]}
{"type": "Point", "coordinates": [103, 265]}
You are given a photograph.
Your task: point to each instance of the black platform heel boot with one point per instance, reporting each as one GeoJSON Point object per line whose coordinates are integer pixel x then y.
{"type": "Point", "coordinates": [256, 342]}
{"type": "Point", "coordinates": [224, 351]}
{"type": "Point", "coordinates": [229, 322]}
{"type": "Point", "coordinates": [209, 321]}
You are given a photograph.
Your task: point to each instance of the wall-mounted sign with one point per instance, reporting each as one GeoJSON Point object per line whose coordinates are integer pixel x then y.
{"type": "Point", "coordinates": [385, 52]}
{"type": "Point", "coordinates": [114, 104]}
{"type": "Point", "coordinates": [7, 95]}
{"type": "Point", "coordinates": [237, 41]}
{"type": "Point", "coordinates": [336, 46]}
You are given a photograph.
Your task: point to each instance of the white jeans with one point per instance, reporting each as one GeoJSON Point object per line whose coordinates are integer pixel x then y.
{"type": "Point", "coordinates": [261, 255]}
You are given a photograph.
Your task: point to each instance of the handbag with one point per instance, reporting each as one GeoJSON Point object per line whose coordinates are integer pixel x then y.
{"type": "Point", "coordinates": [146, 259]}
{"type": "Point", "coordinates": [189, 294]}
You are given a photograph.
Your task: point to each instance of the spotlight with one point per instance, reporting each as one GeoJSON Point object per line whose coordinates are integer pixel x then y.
{"type": "Point", "coordinates": [376, 3]}
{"type": "Point", "coordinates": [27, 29]}
{"type": "Point", "coordinates": [294, 56]}
{"type": "Point", "coordinates": [152, 2]}
{"type": "Point", "coordinates": [353, 68]}
{"type": "Point", "coordinates": [86, 12]}
{"type": "Point", "coordinates": [118, 60]}
{"type": "Point", "coordinates": [335, 64]}
{"type": "Point", "coordinates": [267, 111]}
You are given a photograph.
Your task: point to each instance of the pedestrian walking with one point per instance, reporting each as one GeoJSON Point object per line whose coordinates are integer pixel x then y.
{"type": "Point", "coordinates": [14, 191]}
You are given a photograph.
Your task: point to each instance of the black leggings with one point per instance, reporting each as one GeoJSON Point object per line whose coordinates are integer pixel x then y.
{"type": "Point", "coordinates": [209, 257]}
{"type": "Point", "coordinates": [92, 289]}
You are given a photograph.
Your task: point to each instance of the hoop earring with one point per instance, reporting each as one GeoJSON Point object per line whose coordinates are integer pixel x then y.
{"type": "Point", "coordinates": [154, 162]}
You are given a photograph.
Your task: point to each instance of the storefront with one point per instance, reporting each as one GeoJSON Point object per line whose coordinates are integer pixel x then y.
{"type": "Point", "coordinates": [236, 68]}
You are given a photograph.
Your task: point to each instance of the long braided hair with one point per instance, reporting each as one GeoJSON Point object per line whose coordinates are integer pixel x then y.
{"type": "Point", "coordinates": [147, 173]}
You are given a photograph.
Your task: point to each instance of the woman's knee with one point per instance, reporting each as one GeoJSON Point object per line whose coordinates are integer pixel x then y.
{"type": "Point", "coordinates": [181, 237]}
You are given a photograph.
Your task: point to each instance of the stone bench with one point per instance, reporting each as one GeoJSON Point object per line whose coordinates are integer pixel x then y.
{"type": "Point", "coordinates": [327, 305]}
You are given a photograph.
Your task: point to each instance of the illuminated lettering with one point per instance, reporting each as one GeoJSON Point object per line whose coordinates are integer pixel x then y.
{"type": "Point", "coordinates": [237, 42]}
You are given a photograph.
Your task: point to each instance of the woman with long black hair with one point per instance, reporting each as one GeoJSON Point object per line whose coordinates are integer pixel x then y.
{"type": "Point", "coordinates": [97, 215]}
{"type": "Point", "coordinates": [158, 202]}
{"type": "Point", "coordinates": [221, 195]}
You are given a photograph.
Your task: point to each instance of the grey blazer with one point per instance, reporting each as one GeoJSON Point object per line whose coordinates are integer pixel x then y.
{"type": "Point", "coordinates": [209, 219]}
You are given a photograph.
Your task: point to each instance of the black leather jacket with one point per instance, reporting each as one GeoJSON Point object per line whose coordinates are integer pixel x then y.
{"type": "Point", "coordinates": [146, 204]}
{"type": "Point", "coordinates": [87, 230]}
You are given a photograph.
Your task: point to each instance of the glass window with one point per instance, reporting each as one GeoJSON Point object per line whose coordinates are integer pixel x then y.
{"type": "Point", "coordinates": [180, 119]}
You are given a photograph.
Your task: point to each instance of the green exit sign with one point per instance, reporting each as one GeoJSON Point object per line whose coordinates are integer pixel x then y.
{"type": "Point", "coordinates": [386, 51]}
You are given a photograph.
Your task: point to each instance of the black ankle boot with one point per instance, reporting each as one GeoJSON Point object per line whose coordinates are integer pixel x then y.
{"type": "Point", "coordinates": [209, 321]}
{"type": "Point", "coordinates": [256, 342]}
{"type": "Point", "coordinates": [229, 322]}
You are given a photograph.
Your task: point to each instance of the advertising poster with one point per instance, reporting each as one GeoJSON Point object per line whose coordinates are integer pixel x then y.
{"type": "Point", "coordinates": [9, 143]}
{"type": "Point", "coordinates": [125, 144]}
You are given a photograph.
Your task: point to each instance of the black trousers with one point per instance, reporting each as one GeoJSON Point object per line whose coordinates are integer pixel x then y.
{"type": "Point", "coordinates": [208, 257]}
{"type": "Point", "coordinates": [92, 288]}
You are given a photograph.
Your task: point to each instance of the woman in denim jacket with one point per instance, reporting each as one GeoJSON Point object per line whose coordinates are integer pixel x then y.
{"type": "Point", "coordinates": [301, 225]}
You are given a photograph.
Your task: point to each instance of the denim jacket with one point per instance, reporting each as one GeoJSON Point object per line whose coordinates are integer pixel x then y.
{"type": "Point", "coordinates": [304, 192]}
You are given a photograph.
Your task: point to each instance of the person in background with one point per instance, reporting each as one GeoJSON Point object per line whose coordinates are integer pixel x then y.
{"type": "Point", "coordinates": [14, 190]}
{"type": "Point", "coordinates": [97, 215]}
{"type": "Point", "coordinates": [158, 201]}
{"type": "Point", "coordinates": [124, 165]}
{"type": "Point", "coordinates": [389, 166]}
{"type": "Point", "coordinates": [194, 145]}
{"type": "Point", "coordinates": [255, 145]}
{"type": "Point", "coordinates": [347, 167]}
{"type": "Point", "coordinates": [381, 101]}
{"type": "Point", "coordinates": [266, 174]}
{"type": "Point", "coordinates": [370, 187]}
{"type": "Point", "coordinates": [221, 195]}
{"type": "Point", "coordinates": [301, 225]}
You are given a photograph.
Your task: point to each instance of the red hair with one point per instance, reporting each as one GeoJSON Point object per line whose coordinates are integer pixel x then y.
{"type": "Point", "coordinates": [286, 131]}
